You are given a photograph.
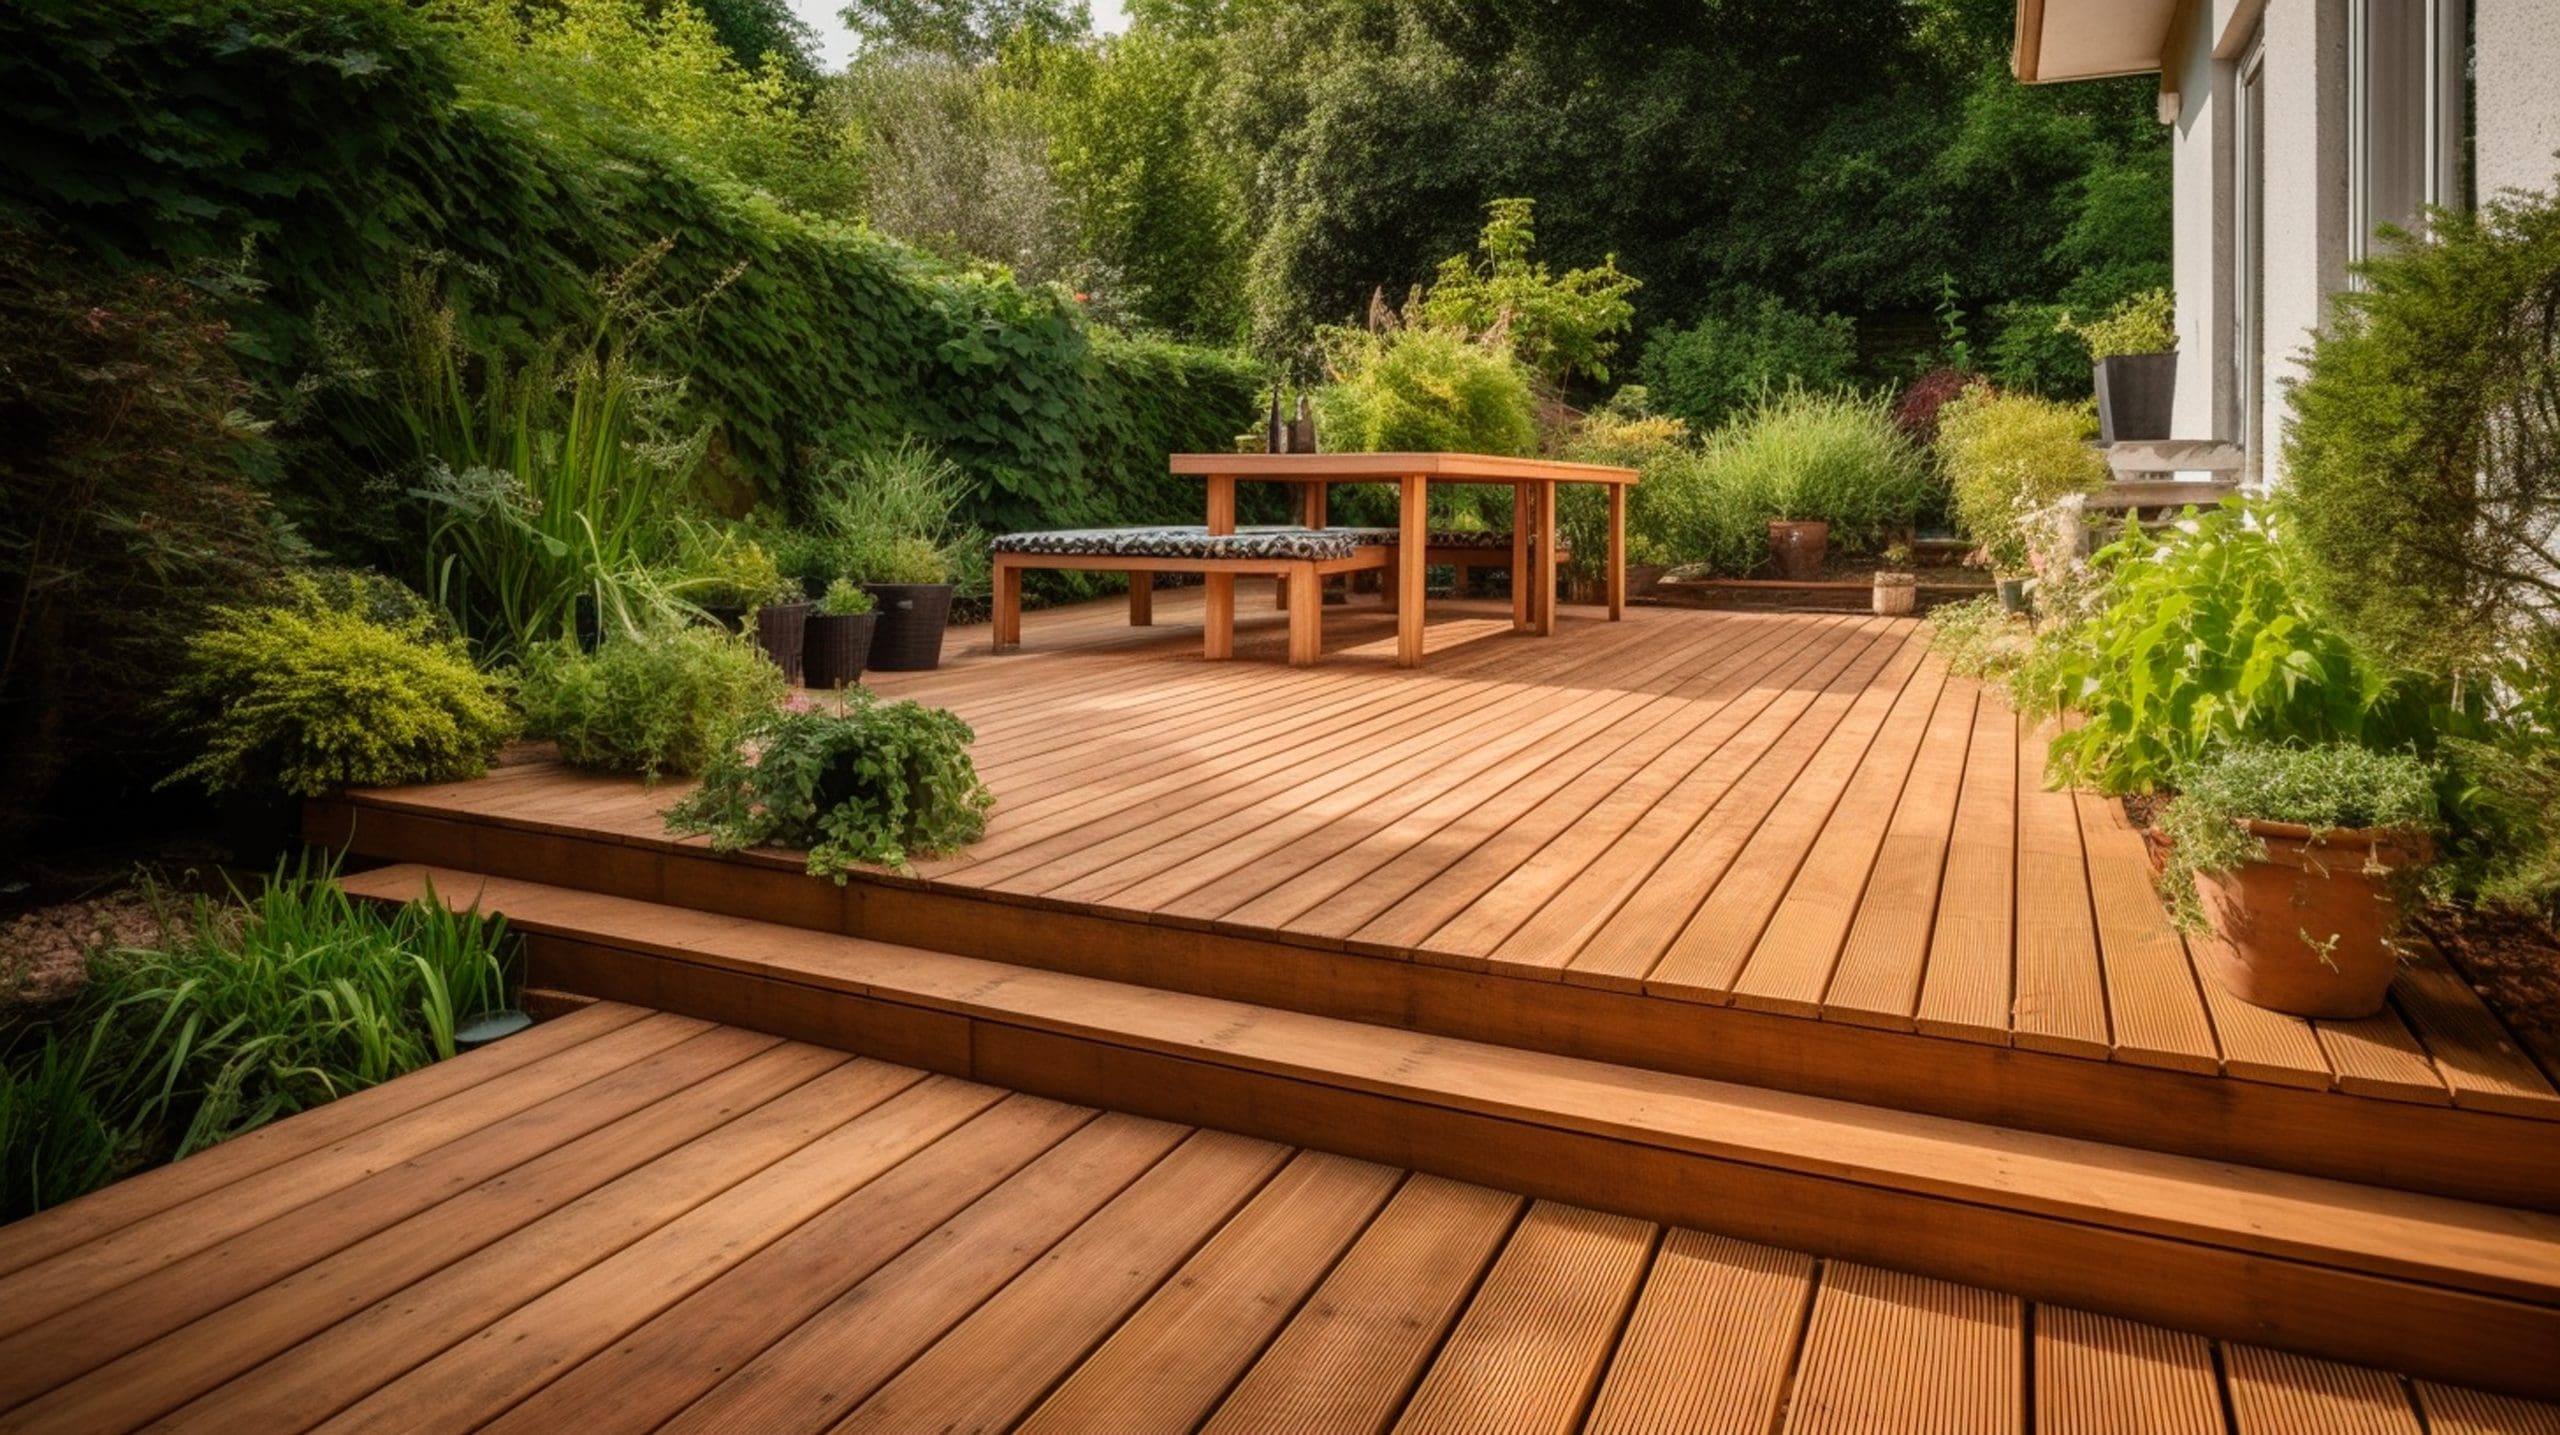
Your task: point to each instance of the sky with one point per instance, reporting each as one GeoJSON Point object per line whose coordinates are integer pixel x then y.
{"type": "Point", "coordinates": [835, 43]}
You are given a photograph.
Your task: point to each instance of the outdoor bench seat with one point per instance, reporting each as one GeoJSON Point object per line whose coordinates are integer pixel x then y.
{"type": "Point", "coordinates": [1301, 558]}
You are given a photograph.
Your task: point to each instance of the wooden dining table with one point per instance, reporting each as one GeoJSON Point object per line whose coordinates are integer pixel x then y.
{"type": "Point", "coordinates": [1533, 483]}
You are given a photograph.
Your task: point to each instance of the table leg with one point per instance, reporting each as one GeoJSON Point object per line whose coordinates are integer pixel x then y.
{"type": "Point", "coordinates": [1617, 551]}
{"type": "Point", "coordinates": [1142, 600]}
{"type": "Point", "coordinates": [1521, 519]}
{"type": "Point", "coordinates": [1413, 552]}
{"type": "Point", "coordinates": [1546, 494]}
{"type": "Point", "coordinates": [1218, 627]}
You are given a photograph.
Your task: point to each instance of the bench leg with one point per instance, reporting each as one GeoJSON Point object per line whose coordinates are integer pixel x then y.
{"type": "Point", "coordinates": [1617, 552]}
{"type": "Point", "coordinates": [1218, 619]}
{"type": "Point", "coordinates": [1142, 600]}
{"type": "Point", "coordinates": [1306, 616]}
{"type": "Point", "coordinates": [1545, 497]}
{"type": "Point", "coordinates": [1008, 615]}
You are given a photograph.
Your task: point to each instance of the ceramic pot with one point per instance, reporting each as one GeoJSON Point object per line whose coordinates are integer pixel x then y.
{"type": "Point", "coordinates": [1799, 548]}
{"type": "Point", "coordinates": [1896, 594]}
{"type": "Point", "coordinates": [2134, 395]}
{"type": "Point", "coordinates": [2309, 930]}
{"type": "Point", "coordinates": [2013, 595]}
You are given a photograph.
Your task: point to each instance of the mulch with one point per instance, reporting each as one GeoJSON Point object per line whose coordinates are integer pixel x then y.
{"type": "Point", "coordinates": [2512, 959]}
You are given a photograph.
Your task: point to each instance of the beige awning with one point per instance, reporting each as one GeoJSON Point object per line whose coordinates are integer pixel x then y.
{"type": "Point", "coordinates": [2089, 39]}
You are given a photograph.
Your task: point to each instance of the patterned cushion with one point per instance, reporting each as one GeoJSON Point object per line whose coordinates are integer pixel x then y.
{"type": "Point", "coordinates": [1183, 542]}
{"type": "Point", "coordinates": [1440, 537]}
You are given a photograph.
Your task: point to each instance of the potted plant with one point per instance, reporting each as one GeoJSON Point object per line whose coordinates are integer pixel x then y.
{"type": "Point", "coordinates": [733, 580]}
{"type": "Point", "coordinates": [2302, 860]}
{"type": "Point", "coordinates": [2134, 362]}
{"type": "Point", "coordinates": [1797, 546]}
{"type": "Point", "coordinates": [1897, 589]}
{"type": "Point", "coordinates": [839, 636]}
{"type": "Point", "coordinates": [891, 518]}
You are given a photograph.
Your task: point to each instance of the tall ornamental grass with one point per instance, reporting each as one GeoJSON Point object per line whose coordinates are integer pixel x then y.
{"type": "Point", "coordinates": [250, 1009]}
{"type": "Point", "coordinates": [1796, 454]}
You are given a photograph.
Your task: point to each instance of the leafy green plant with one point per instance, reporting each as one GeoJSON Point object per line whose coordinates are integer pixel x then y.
{"type": "Point", "coordinates": [2008, 457]}
{"type": "Point", "coordinates": [2326, 787]}
{"type": "Point", "coordinates": [1422, 390]}
{"type": "Point", "coordinates": [652, 703]}
{"type": "Point", "coordinates": [253, 1008]}
{"type": "Point", "coordinates": [2143, 324]}
{"type": "Point", "coordinates": [1799, 455]}
{"type": "Point", "coordinates": [1557, 327]}
{"type": "Point", "coordinates": [2204, 640]}
{"type": "Point", "coordinates": [315, 693]}
{"type": "Point", "coordinates": [870, 782]}
{"type": "Point", "coordinates": [891, 515]}
{"type": "Point", "coordinates": [845, 599]}
{"type": "Point", "coordinates": [719, 565]}
{"type": "Point", "coordinates": [1979, 637]}
{"type": "Point", "coordinates": [1713, 369]}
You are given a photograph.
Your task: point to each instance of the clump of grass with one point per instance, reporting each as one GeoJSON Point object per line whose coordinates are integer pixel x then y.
{"type": "Point", "coordinates": [257, 1006]}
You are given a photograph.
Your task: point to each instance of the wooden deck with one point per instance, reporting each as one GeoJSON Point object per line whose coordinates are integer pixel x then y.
{"type": "Point", "coordinates": [626, 1220]}
{"type": "Point", "coordinates": [1788, 849]}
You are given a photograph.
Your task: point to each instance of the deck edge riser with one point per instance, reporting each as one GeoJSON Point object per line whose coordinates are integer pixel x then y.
{"type": "Point", "coordinates": [2465, 1154]}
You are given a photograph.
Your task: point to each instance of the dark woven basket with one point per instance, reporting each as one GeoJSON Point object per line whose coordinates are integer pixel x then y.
{"type": "Point", "coordinates": [835, 650]}
{"type": "Point", "coordinates": [912, 616]}
{"type": "Point", "coordinates": [780, 631]}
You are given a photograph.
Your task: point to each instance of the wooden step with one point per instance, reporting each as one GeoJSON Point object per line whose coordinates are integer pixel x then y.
{"type": "Point", "coordinates": [2444, 1289]}
{"type": "Point", "coordinates": [2388, 1120]}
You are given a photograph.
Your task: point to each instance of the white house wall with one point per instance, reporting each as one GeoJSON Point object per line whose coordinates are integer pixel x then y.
{"type": "Point", "coordinates": [2517, 110]}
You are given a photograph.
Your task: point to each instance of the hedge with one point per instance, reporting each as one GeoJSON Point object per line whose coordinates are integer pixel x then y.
{"type": "Point", "coordinates": [331, 142]}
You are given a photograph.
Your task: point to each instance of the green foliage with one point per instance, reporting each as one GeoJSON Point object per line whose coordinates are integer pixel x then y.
{"type": "Point", "coordinates": [128, 503]}
{"type": "Point", "coordinates": [1557, 327]}
{"type": "Point", "coordinates": [719, 565]}
{"type": "Point", "coordinates": [662, 68]}
{"type": "Point", "coordinates": [1424, 390]}
{"type": "Point", "coordinates": [2007, 458]}
{"type": "Point", "coordinates": [2327, 787]}
{"type": "Point", "coordinates": [2146, 323]}
{"type": "Point", "coordinates": [2423, 461]}
{"type": "Point", "coordinates": [845, 599]}
{"type": "Point", "coordinates": [650, 703]}
{"type": "Point", "coordinates": [2206, 641]}
{"type": "Point", "coordinates": [891, 515]}
{"type": "Point", "coordinates": [1979, 637]}
{"type": "Point", "coordinates": [1714, 368]}
{"type": "Point", "coordinates": [315, 693]}
{"type": "Point", "coordinates": [874, 782]}
{"type": "Point", "coordinates": [252, 1009]}
{"type": "Point", "coordinates": [964, 29]}
{"type": "Point", "coordinates": [1796, 455]}
{"type": "Point", "coordinates": [2034, 353]}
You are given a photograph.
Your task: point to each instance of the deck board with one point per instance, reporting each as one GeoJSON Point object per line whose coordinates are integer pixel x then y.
{"type": "Point", "coordinates": [800, 1241]}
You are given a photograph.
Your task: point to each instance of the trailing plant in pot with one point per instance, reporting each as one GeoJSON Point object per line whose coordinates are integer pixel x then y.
{"type": "Point", "coordinates": [2302, 860]}
{"type": "Point", "coordinates": [2134, 364]}
{"type": "Point", "coordinates": [839, 639]}
{"type": "Point", "coordinates": [860, 781]}
{"type": "Point", "coordinates": [1897, 589]}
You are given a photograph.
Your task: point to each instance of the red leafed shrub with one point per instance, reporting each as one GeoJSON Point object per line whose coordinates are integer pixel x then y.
{"type": "Point", "coordinates": [1917, 412]}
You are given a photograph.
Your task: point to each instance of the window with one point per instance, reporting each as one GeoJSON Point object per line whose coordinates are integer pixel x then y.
{"type": "Point", "coordinates": [2407, 68]}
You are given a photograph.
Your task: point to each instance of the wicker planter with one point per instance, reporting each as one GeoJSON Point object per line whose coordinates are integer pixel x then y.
{"type": "Point", "coordinates": [1798, 548]}
{"type": "Point", "coordinates": [2308, 931]}
{"type": "Point", "coordinates": [1896, 594]}
{"type": "Point", "coordinates": [909, 636]}
{"type": "Point", "coordinates": [837, 645]}
{"type": "Point", "coordinates": [780, 629]}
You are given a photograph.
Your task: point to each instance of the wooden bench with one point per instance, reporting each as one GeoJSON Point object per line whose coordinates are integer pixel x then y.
{"type": "Point", "coordinates": [1301, 558]}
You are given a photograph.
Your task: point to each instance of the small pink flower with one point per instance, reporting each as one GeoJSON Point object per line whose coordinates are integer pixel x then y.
{"type": "Point", "coordinates": [1083, 298]}
{"type": "Point", "coordinates": [798, 702]}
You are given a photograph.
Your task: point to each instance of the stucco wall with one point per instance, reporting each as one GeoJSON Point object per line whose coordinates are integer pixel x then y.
{"type": "Point", "coordinates": [2518, 93]}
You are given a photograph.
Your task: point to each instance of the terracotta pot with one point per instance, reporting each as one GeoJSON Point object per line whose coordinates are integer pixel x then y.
{"type": "Point", "coordinates": [1896, 593]}
{"type": "Point", "coordinates": [1798, 548]}
{"type": "Point", "coordinates": [2309, 930]}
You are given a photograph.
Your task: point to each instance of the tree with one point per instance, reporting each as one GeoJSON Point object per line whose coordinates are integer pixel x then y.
{"type": "Point", "coordinates": [1556, 326]}
{"type": "Point", "coordinates": [971, 31]}
{"type": "Point", "coordinates": [754, 29]}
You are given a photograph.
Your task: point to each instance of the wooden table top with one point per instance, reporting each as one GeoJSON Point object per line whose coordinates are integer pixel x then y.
{"type": "Point", "coordinates": [1377, 467]}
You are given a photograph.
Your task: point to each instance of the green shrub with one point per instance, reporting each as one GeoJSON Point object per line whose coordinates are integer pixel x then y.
{"type": "Point", "coordinates": [651, 703]}
{"type": "Point", "coordinates": [1979, 637]}
{"type": "Point", "coordinates": [892, 515]}
{"type": "Point", "coordinates": [2146, 323]}
{"type": "Point", "coordinates": [315, 693]}
{"type": "Point", "coordinates": [2007, 458]}
{"type": "Point", "coordinates": [2203, 641]}
{"type": "Point", "coordinates": [1556, 327]}
{"type": "Point", "coordinates": [1796, 455]}
{"type": "Point", "coordinates": [1418, 390]}
{"type": "Point", "coordinates": [2326, 787]}
{"type": "Point", "coordinates": [845, 599]}
{"type": "Point", "coordinates": [721, 565]}
{"type": "Point", "coordinates": [873, 782]}
{"type": "Point", "coordinates": [2423, 461]}
{"type": "Point", "coordinates": [1716, 367]}
{"type": "Point", "coordinates": [252, 1009]}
